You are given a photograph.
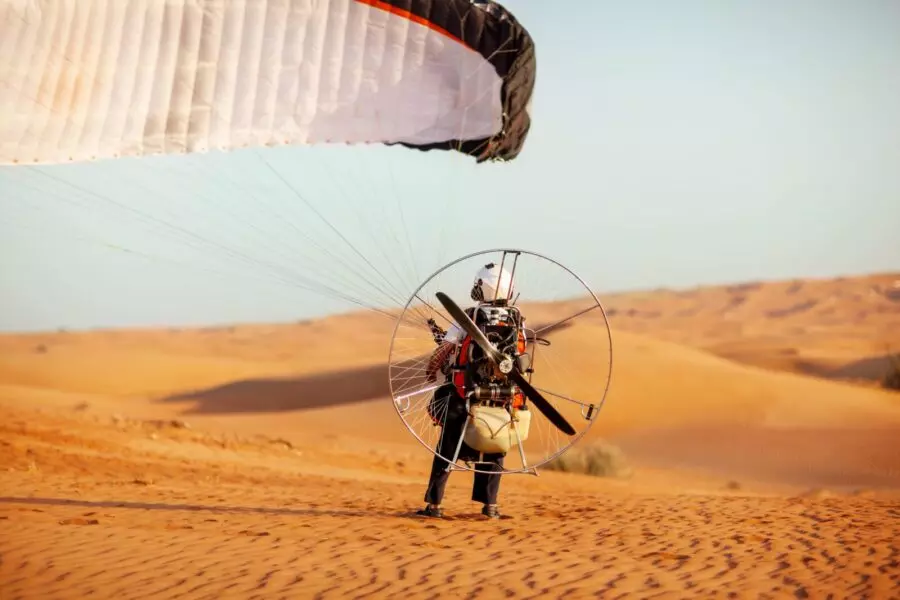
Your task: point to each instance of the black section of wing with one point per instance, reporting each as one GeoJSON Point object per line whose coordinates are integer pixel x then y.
{"type": "Point", "coordinates": [492, 31]}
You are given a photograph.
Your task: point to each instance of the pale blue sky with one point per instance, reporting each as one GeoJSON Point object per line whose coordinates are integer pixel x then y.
{"type": "Point", "coordinates": [673, 144]}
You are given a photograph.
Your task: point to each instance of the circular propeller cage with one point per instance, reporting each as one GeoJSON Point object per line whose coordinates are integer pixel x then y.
{"type": "Point", "coordinates": [569, 359]}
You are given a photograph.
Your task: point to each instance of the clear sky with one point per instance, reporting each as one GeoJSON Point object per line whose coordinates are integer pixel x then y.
{"type": "Point", "coordinates": [673, 144]}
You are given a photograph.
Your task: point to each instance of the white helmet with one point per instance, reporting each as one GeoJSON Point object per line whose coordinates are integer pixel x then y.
{"type": "Point", "coordinates": [487, 281]}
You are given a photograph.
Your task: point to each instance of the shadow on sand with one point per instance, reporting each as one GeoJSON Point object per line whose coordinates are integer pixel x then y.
{"type": "Point", "coordinates": [336, 388]}
{"type": "Point", "coordinates": [871, 369]}
{"type": "Point", "coordinates": [289, 393]}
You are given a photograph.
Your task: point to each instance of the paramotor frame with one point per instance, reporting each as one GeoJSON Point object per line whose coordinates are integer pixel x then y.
{"type": "Point", "coordinates": [413, 337]}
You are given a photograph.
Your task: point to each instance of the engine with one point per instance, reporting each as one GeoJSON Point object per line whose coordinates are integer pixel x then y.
{"type": "Point", "coordinates": [487, 381]}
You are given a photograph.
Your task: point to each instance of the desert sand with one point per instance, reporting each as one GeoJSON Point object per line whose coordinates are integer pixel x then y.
{"type": "Point", "coordinates": [267, 461]}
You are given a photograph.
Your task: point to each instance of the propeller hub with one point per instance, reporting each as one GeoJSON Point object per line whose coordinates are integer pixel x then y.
{"type": "Point", "coordinates": [506, 366]}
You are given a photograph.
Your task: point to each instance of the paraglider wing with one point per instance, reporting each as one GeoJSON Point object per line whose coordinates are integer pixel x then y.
{"type": "Point", "coordinates": [90, 80]}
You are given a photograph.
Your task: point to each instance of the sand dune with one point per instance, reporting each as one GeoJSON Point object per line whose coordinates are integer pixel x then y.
{"type": "Point", "coordinates": [660, 387]}
{"type": "Point", "coordinates": [267, 460]}
{"type": "Point", "coordinates": [836, 328]}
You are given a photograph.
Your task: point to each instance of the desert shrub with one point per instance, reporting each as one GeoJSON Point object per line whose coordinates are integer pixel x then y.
{"type": "Point", "coordinates": [891, 379]}
{"type": "Point", "coordinates": [599, 459]}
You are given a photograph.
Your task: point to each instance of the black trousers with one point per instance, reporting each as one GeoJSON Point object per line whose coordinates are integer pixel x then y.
{"type": "Point", "coordinates": [486, 486]}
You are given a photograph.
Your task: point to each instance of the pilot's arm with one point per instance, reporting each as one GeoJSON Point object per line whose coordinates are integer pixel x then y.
{"type": "Point", "coordinates": [439, 357]}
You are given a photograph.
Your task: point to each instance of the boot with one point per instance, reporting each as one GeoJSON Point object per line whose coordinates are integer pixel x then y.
{"type": "Point", "coordinates": [431, 510]}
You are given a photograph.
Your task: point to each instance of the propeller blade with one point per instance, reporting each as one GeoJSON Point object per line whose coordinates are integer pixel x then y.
{"type": "Point", "coordinates": [542, 404]}
{"type": "Point", "coordinates": [470, 327]}
{"type": "Point", "coordinates": [496, 356]}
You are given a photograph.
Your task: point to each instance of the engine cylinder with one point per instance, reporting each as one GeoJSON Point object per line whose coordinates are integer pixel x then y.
{"type": "Point", "coordinates": [493, 392]}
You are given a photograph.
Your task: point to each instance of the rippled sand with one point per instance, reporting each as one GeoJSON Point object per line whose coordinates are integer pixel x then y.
{"type": "Point", "coordinates": [230, 463]}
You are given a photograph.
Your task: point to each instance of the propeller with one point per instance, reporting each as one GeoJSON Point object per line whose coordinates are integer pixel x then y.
{"type": "Point", "coordinates": [505, 364]}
